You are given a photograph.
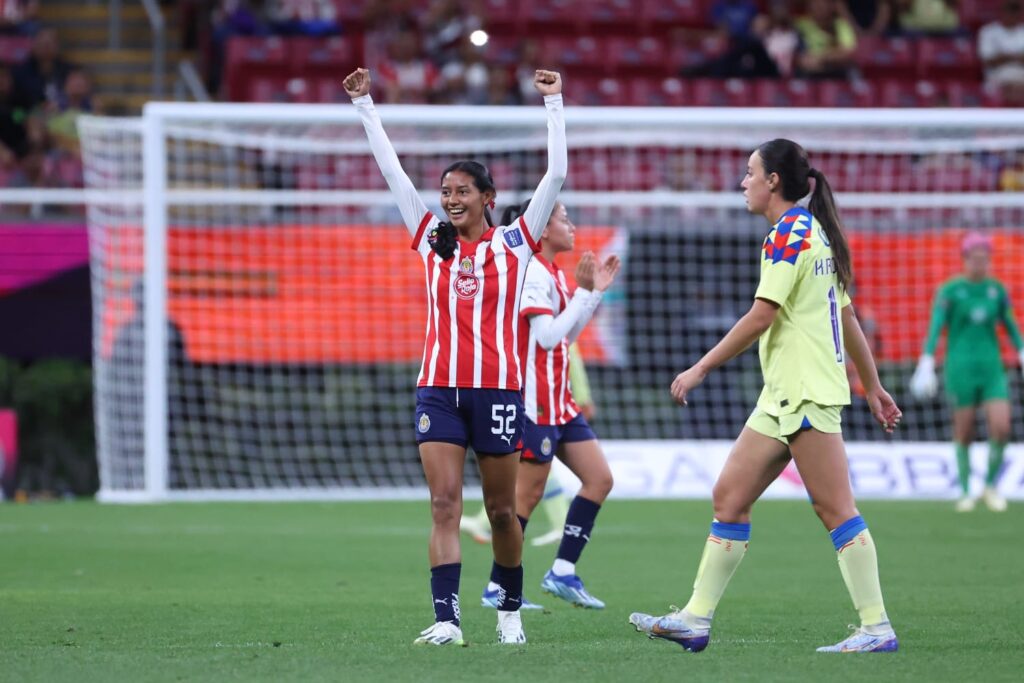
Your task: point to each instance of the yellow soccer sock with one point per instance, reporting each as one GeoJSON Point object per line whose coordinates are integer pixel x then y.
{"type": "Point", "coordinates": [858, 563]}
{"type": "Point", "coordinates": [554, 503]}
{"type": "Point", "coordinates": [723, 551]}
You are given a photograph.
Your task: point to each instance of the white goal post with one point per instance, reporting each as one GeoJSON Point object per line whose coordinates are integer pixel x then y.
{"type": "Point", "coordinates": [228, 242]}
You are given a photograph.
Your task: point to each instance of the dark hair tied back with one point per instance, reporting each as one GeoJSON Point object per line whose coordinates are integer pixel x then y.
{"type": "Point", "coordinates": [443, 238]}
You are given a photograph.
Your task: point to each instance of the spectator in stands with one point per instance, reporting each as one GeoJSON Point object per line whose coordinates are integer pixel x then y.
{"type": "Point", "coordinates": [779, 36]}
{"type": "Point", "coordinates": [407, 77]}
{"type": "Point", "coordinates": [744, 55]}
{"type": "Point", "coordinates": [19, 17]}
{"type": "Point", "coordinates": [446, 27]}
{"type": "Point", "coordinates": [1001, 48]}
{"type": "Point", "coordinates": [464, 79]}
{"type": "Point", "coordinates": [62, 125]}
{"type": "Point", "coordinates": [231, 18]}
{"type": "Point", "coordinates": [12, 128]}
{"type": "Point", "coordinates": [499, 87]}
{"type": "Point", "coordinates": [869, 17]}
{"type": "Point", "coordinates": [927, 16]}
{"type": "Point", "coordinates": [828, 41]}
{"type": "Point", "coordinates": [40, 78]}
{"type": "Point", "coordinates": [303, 17]}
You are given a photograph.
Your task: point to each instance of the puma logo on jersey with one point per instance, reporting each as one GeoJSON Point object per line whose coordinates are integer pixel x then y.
{"type": "Point", "coordinates": [507, 438]}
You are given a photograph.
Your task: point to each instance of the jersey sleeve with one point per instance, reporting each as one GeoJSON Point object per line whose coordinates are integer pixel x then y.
{"type": "Point", "coordinates": [940, 313]}
{"type": "Point", "coordinates": [1009, 320]}
{"type": "Point", "coordinates": [418, 220]}
{"type": "Point", "coordinates": [543, 201]}
{"type": "Point", "coordinates": [784, 252]}
{"type": "Point", "coordinates": [536, 298]}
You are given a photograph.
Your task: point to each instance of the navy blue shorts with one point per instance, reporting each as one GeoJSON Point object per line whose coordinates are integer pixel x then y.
{"type": "Point", "coordinates": [489, 420]}
{"type": "Point", "coordinates": [541, 442]}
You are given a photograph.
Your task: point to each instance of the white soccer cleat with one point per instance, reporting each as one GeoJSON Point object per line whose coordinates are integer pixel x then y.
{"type": "Point", "coordinates": [862, 641]}
{"type": "Point", "coordinates": [992, 499]}
{"type": "Point", "coordinates": [553, 536]}
{"type": "Point", "coordinates": [965, 504]}
{"type": "Point", "coordinates": [441, 633]}
{"type": "Point", "coordinates": [678, 626]}
{"type": "Point", "coordinates": [510, 628]}
{"type": "Point", "coordinates": [479, 530]}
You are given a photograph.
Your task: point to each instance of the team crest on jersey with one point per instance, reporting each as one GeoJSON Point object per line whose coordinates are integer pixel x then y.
{"type": "Point", "coordinates": [545, 446]}
{"type": "Point", "coordinates": [514, 238]}
{"type": "Point", "coordinates": [466, 264]}
{"type": "Point", "coordinates": [424, 425]}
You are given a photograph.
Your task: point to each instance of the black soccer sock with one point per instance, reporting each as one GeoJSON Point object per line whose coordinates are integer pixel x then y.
{"type": "Point", "coordinates": [444, 585]}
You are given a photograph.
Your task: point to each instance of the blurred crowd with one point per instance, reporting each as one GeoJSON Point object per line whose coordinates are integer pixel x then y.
{"type": "Point", "coordinates": [426, 52]}
{"type": "Point", "coordinates": [41, 98]}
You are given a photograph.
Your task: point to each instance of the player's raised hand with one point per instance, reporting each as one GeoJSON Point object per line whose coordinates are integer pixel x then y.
{"type": "Point", "coordinates": [547, 82]}
{"type": "Point", "coordinates": [585, 271]}
{"type": "Point", "coordinates": [357, 83]}
{"type": "Point", "coordinates": [884, 408]}
{"type": "Point", "coordinates": [604, 275]}
{"type": "Point", "coordinates": [685, 382]}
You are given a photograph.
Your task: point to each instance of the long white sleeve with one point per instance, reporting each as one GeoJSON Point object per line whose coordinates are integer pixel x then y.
{"type": "Point", "coordinates": [544, 197]}
{"type": "Point", "coordinates": [550, 330]}
{"type": "Point", "coordinates": [409, 202]}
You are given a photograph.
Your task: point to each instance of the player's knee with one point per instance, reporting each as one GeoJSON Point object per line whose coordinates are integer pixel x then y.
{"type": "Point", "coordinates": [531, 495]}
{"type": "Point", "coordinates": [999, 432]}
{"type": "Point", "coordinates": [502, 517]}
{"type": "Point", "coordinates": [597, 488]}
{"type": "Point", "coordinates": [445, 509]}
{"type": "Point", "coordinates": [831, 514]}
{"type": "Point", "coordinates": [729, 507]}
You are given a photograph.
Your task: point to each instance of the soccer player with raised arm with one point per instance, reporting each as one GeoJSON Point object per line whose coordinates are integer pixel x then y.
{"type": "Point", "coordinates": [970, 307]}
{"type": "Point", "coordinates": [469, 390]}
{"type": "Point", "coordinates": [551, 318]}
{"type": "Point", "coordinates": [805, 323]}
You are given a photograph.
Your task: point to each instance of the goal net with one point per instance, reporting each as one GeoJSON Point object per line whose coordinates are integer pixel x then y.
{"type": "Point", "coordinates": [259, 315]}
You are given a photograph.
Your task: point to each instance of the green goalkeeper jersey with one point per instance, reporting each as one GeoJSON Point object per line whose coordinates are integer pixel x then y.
{"type": "Point", "coordinates": [970, 312]}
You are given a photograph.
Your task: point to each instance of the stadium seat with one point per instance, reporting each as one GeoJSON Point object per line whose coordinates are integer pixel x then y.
{"type": "Point", "coordinates": [712, 92]}
{"type": "Point", "coordinates": [14, 49]}
{"type": "Point", "coordinates": [676, 13]}
{"type": "Point", "coordinates": [783, 93]}
{"type": "Point", "coordinates": [617, 15]}
{"type": "Point", "coordinates": [899, 94]}
{"type": "Point", "coordinates": [580, 54]}
{"type": "Point", "coordinates": [566, 16]}
{"type": "Point", "coordinates": [886, 58]}
{"type": "Point", "coordinates": [947, 58]}
{"type": "Point", "coordinates": [658, 92]}
{"type": "Point", "coordinates": [333, 54]}
{"type": "Point", "coordinates": [845, 94]}
{"type": "Point", "coordinates": [970, 94]}
{"type": "Point", "coordinates": [645, 54]}
{"type": "Point", "coordinates": [250, 57]}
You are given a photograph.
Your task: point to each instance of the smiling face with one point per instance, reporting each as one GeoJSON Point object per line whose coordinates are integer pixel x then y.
{"type": "Point", "coordinates": [757, 187]}
{"type": "Point", "coordinates": [462, 201]}
{"type": "Point", "coordinates": [560, 232]}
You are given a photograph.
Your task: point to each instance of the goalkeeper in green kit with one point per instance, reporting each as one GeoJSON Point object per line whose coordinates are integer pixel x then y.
{"type": "Point", "coordinates": [970, 306]}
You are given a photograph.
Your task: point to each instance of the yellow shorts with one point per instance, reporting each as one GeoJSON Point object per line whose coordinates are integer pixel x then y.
{"type": "Point", "coordinates": [808, 415]}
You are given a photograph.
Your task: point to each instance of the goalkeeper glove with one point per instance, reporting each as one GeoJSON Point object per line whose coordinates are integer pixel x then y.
{"type": "Point", "coordinates": [924, 383]}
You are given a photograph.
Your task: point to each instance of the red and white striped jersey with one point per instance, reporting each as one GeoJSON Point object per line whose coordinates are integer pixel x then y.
{"type": "Point", "coordinates": [472, 332]}
{"type": "Point", "coordinates": [546, 394]}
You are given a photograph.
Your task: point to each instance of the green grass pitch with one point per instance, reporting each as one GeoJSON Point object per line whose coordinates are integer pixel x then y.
{"type": "Point", "coordinates": [337, 592]}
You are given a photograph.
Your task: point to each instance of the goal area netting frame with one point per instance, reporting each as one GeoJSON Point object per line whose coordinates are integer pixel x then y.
{"type": "Point", "coordinates": [660, 183]}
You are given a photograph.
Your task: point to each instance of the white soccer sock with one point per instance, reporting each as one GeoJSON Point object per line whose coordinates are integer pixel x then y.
{"type": "Point", "coordinates": [563, 568]}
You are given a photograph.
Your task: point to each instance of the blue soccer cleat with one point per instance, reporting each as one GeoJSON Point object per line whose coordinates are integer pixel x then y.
{"type": "Point", "coordinates": [673, 627]}
{"type": "Point", "coordinates": [862, 641]}
{"type": "Point", "coordinates": [569, 588]}
{"type": "Point", "coordinates": [490, 599]}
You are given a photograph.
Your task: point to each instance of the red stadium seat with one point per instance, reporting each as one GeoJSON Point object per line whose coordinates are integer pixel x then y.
{"type": "Point", "coordinates": [658, 92]}
{"type": "Point", "coordinates": [566, 16]}
{"type": "Point", "coordinates": [711, 92]}
{"type": "Point", "coordinates": [577, 53]}
{"type": "Point", "coordinates": [14, 49]}
{"type": "Point", "coordinates": [617, 15]}
{"type": "Point", "coordinates": [970, 94]}
{"type": "Point", "coordinates": [645, 54]}
{"type": "Point", "coordinates": [503, 49]}
{"type": "Point", "coordinates": [505, 16]}
{"type": "Point", "coordinates": [899, 94]}
{"type": "Point", "coordinates": [600, 91]}
{"type": "Point", "coordinates": [687, 13]}
{"type": "Point", "coordinates": [948, 58]}
{"type": "Point", "coordinates": [845, 94]}
{"type": "Point", "coordinates": [886, 58]}
{"type": "Point", "coordinates": [783, 93]}
{"type": "Point", "coordinates": [332, 54]}
{"type": "Point", "coordinates": [249, 58]}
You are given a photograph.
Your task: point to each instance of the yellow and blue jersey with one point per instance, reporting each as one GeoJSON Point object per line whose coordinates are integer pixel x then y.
{"type": "Point", "coordinates": [802, 354]}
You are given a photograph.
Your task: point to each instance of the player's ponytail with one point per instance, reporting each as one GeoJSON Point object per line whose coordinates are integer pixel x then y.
{"type": "Point", "coordinates": [789, 161]}
{"type": "Point", "coordinates": [823, 207]}
{"type": "Point", "coordinates": [512, 213]}
{"type": "Point", "coordinates": [443, 238]}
